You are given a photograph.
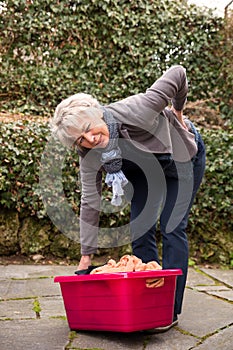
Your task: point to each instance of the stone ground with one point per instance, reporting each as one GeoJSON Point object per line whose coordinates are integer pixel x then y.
{"type": "Point", "coordinates": [206, 322]}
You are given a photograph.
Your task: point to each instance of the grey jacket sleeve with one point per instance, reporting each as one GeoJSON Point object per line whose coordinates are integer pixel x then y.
{"type": "Point", "coordinates": [142, 110]}
{"type": "Point", "coordinates": [91, 179]}
{"type": "Point", "coordinates": [172, 86]}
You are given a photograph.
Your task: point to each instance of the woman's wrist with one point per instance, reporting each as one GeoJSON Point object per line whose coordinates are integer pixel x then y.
{"type": "Point", "coordinates": [179, 116]}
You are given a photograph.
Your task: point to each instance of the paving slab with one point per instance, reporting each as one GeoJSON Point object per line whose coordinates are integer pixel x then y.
{"type": "Point", "coordinates": [225, 276]}
{"type": "Point", "coordinates": [17, 309]}
{"type": "Point", "coordinates": [109, 341]}
{"type": "Point", "coordinates": [210, 289]}
{"type": "Point", "coordinates": [196, 278]}
{"type": "Point", "coordinates": [174, 340]}
{"type": "Point", "coordinates": [34, 271]}
{"type": "Point", "coordinates": [206, 322]}
{"type": "Point", "coordinates": [48, 334]}
{"type": "Point", "coordinates": [203, 314]}
{"type": "Point", "coordinates": [52, 306]}
{"type": "Point", "coordinates": [222, 340]}
{"type": "Point", "coordinates": [28, 288]}
{"type": "Point", "coordinates": [220, 291]}
{"type": "Point", "coordinates": [228, 294]}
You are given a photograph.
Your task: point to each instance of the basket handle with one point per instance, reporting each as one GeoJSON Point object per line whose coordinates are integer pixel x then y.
{"type": "Point", "coordinates": [154, 282]}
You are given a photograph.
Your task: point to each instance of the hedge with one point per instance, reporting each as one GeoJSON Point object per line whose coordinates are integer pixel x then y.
{"type": "Point", "coordinates": [112, 49]}
{"type": "Point", "coordinates": [210, 226]}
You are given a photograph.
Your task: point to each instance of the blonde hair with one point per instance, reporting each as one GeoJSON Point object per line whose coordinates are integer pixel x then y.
{"type": "Point", "coordinates": [71, 116]}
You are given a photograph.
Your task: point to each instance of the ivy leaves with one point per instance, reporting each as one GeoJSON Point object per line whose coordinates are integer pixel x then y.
{"type": "Point", "coordinates": [110, 49]}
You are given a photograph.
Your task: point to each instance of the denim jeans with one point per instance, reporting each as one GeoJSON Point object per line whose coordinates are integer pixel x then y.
{"type": "Point", "coordinates": [163, 200]}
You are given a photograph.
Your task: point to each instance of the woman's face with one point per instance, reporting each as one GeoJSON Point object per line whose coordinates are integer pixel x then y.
{"type": "Point", "coordinates": [94, 136]}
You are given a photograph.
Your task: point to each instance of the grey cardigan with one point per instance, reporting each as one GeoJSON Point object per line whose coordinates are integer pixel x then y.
{"type": "Point", "coordinates": [145, 120]}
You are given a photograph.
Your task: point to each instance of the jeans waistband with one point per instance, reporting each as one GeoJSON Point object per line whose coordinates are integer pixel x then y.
{"type": "Point", "coordinates": [194, 131]}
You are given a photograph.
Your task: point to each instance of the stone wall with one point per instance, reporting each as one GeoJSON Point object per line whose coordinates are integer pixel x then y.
{"type": "Point", "coordinates": [30, 236]}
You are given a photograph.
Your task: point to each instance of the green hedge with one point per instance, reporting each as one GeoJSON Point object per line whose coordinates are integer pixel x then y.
{"type": "Point", "coordinates": [112, 49]}
{"type": "Point", "coordinates": [211, 219]}
{"type": "Point", "coordinates": [52, 49]}
{"type": "Point", "coordinates": [210, 227]}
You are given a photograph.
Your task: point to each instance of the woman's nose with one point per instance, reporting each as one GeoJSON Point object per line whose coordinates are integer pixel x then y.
{"type": "Point", "coordinates": [89, 137]}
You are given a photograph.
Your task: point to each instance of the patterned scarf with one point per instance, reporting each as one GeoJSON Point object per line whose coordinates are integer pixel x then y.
{"type": "Point", "coordinates": [112, 161]}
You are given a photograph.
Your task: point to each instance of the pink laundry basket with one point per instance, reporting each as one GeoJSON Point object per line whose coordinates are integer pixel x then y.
{"type": "Point", "coordinates": [118, 302]}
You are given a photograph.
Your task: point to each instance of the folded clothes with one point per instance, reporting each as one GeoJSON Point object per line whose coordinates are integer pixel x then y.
{"type": "Point", "coordinates": [130, 263]}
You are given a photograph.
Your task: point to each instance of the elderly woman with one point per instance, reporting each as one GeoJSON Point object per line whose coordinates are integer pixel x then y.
{"type": "Point", "coordinates": [149, 152]}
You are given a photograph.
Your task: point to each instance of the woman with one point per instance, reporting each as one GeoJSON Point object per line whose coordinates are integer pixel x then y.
{"type": "Point", "coordinates": [146, 147]}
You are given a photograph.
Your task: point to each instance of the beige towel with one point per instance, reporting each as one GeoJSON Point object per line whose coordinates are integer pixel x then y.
{"type": "Point", "coordinates": [130, 263]}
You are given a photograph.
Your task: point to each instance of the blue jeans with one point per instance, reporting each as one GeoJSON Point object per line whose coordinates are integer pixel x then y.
{"type": "Point", "coordinates": [175, 250]}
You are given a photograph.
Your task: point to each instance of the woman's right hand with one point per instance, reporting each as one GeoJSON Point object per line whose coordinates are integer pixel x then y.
{"type": "Point", "coordinates": [85, 261]}
{"type": "Point", "coordinates": [179, 116]}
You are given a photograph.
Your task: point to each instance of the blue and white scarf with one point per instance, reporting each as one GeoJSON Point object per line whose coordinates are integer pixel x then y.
{"type": "Point", "coordinates": [112, 161]}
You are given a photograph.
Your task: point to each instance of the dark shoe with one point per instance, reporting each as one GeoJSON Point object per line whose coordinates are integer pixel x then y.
{"type": "Point", "coordinates": [86, 271]}
{"type": "Point", "coordinates": [162, 329]}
